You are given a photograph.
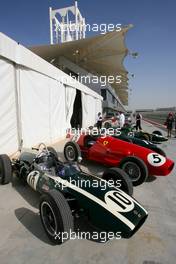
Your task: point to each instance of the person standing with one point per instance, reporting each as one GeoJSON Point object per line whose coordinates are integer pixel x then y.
{"type": "Point", "coordinates": [138, 121]}
{"type": "Point", "coordinates": [169, 124]}
{"type": "Point", "coordinates": [99, 121]}
{"type": "Point", "coordinates": [121, 119]}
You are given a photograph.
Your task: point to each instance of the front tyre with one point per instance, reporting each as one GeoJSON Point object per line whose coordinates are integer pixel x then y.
{"type": "Point", "coordinates": [56, 216]}
{"type": "Point", "coordinates": [136, 169]}
{"type": "Point", "coordinates": [72, 151]}
{"type": "Point", "coordinates": [5, 169]}
{"type": "Point", "coordinates": [157, 132]}
{"type": "Point", "coordinates": [117, 175]}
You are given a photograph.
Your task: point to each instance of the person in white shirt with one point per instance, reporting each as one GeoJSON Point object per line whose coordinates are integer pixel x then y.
{"type": "Point", "coordinates": [121, 119]}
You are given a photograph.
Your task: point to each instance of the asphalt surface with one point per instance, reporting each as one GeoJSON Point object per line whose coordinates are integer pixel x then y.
{"type": "Point", "coordinates": [23, 240]}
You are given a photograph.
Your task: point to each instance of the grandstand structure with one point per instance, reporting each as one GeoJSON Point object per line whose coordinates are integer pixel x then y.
{"type": "Point", "coordinates": [80, 56]}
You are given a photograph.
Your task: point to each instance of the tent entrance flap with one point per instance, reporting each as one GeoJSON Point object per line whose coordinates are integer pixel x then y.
{"type": "Point", "coordinates": [76, 119]}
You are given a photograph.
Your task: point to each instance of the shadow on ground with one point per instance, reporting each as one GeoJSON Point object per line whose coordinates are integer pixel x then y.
{"type": "Point", "coordinates": [83, 229]}
{"type": "Point", "coordinates": [151, 178]}
{"type": "Point", "coordinates": [28, 194]}
{"type": "Point", "coordinates": [31, 221]}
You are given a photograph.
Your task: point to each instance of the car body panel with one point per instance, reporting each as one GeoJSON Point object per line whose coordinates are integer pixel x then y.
{"type": "Point", "coordinates": [110, 209]}
{"type": "Point", "coordinates": [111, 151]}
{"type": "Point", "coordinates": [129, 131]}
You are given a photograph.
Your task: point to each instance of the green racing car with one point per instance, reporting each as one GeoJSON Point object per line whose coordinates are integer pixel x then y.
{"type": "Point", "coordinates": [154, 137]}
{"type": "Point", "coordinates": [67, 191]}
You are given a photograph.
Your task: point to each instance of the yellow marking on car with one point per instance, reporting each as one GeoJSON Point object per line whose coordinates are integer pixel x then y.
{"type": "Point", "coordinates": [105, 142]}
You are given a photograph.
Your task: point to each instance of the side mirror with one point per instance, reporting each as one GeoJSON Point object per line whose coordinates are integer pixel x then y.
{"type": "Point", "coordinates": [79, 159]}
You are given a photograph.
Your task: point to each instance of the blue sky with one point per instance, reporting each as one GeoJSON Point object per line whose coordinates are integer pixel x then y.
{"type": "Point", "coordinates": [153, 36]}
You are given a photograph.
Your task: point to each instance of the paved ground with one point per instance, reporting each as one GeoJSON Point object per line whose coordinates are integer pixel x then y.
{"type": "Point", "coordinates": [22, 239]}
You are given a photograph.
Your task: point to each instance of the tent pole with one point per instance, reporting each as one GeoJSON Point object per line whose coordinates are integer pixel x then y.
{"type": "Point", "coordinates": [18, 105]}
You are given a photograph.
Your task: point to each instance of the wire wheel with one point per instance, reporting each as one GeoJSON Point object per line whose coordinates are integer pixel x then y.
{"type": "Point", "coordinates": [70, 153]}
{"type": "Point", "coordinates": [48, 218]}
{"type": "Point", "coordinates": [133, 170]}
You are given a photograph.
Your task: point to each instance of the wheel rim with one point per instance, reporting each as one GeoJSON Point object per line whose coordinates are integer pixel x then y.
{"type": "Point", "coordinates": [133, 170]}
{"type": "Point", "coordinates": [49, 219]}
{"type": "Point", "coordinates": [70, 153]}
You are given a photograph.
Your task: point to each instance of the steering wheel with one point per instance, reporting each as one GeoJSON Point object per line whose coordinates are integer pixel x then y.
{"type": "Point", "coordinates": [42, 148]}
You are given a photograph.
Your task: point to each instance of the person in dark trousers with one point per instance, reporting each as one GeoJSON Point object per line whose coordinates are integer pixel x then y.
{"type": "Point", "coordinates": [99, 121]}
{"type": "Point", "coordinates": [169, 124]}
{"type": "Point", "coordinates": [138, 122]}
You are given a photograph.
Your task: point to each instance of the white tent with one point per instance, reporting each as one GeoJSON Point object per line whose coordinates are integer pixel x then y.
{"type": "Point", "coordinates": [36, 99]}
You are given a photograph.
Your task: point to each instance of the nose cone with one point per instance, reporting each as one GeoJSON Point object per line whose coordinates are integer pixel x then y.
{"type": "Point", "coordinates": [171, 165]}
{"type": "Point", "coordinates": [167, 168]}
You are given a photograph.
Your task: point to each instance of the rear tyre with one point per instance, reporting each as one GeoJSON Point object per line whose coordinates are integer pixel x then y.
{"type": "Point", "coordinates": [5, 169]}
{"type": "Point", "coordinates": [136, 169]}
{"type": "Point", "coordinates": [118, 176]}
{"type": "Point", "coordinates": [157, 132]}
{"type": "Point", "coordinates": [72, 151]}
{"type": "Point", "coordinates": [56, 216]}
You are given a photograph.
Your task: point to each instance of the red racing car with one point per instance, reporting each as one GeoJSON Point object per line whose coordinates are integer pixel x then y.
{"type": "Point", "coordinates": [138, 162]}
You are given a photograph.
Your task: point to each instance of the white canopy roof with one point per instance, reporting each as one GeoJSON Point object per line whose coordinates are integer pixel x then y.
{"type": "Point", "coordinates": [99, 55]}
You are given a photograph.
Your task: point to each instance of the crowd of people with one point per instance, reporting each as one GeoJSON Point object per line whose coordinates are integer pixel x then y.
{"type": "Point", "coordinates": [170, 122]}
{"type": "Point", "coordinates": [120, 119]}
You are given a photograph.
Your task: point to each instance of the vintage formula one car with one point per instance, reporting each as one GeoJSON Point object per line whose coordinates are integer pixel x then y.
{"type": "Point", "coordinates": [154, 137]}
{"type": "Point", "coordinates": [68, 191]}
{"type": "Point", "coordinates": [142, 143]}
{"type": "Point", "coordinates": [137, 161]}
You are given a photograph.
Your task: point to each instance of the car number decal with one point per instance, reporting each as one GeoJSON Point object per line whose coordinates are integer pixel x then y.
{"type": "Point", "coordinates": [156, 159]}
{"type": "Point", "coordinates": [118, 201]}
{"type": "Point", "coordinates": [105, 142]}
{"type": "Point", "coordinates": [32, 179]}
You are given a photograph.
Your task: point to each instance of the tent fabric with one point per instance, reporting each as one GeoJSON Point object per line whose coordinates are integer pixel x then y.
{"type": "Point", "coordinates": [70, 98]}
{"type": "Point", "coordinates": [20, 55]}
{"type": "Point", "coordinates": [90, 110]}
{"type": "Point", "coordinates": [35, 107]}
{"type": "Point", "coordinates": [8, 110]}
{"type": "Point", "coordinates": [36, 103]}
{"type": "Point", "coordinates": [57, 110]}
{"type": "Point", "coordinates": [44, 122]}
{"type": "Point", "coordinates": [85, 109]}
